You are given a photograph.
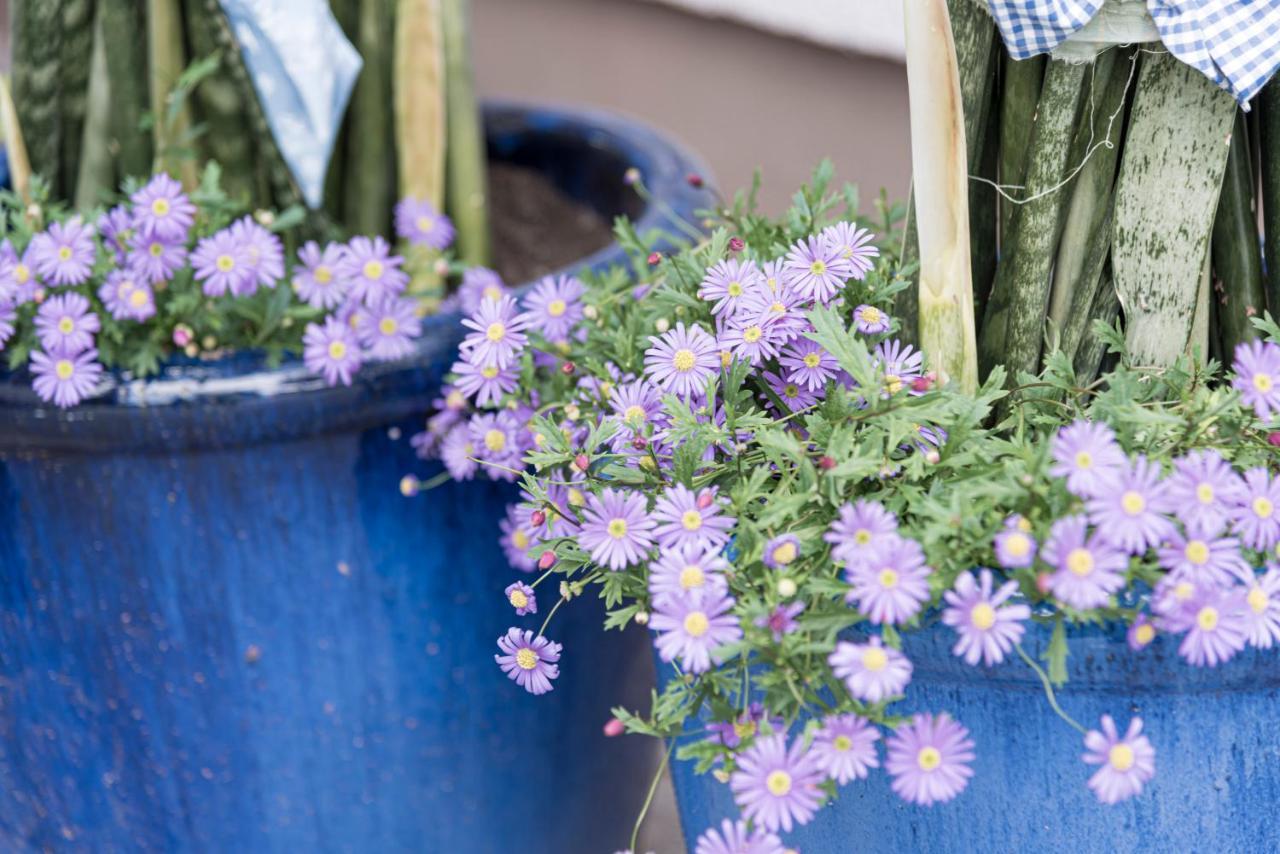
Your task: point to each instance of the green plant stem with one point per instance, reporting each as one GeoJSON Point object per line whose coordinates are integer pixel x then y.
{"type": "Point", "coordinates": [466, 161]}
{"type": "Point", "coordinates": [1237, 258]}
{"type": "Point", "coordinates": [648, 798]}
{"type": "Point", "coordinates": [1048, 689]}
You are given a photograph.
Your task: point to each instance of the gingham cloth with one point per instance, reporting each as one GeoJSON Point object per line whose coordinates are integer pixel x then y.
{"type": "Point", "coordinates": [1235, 43]}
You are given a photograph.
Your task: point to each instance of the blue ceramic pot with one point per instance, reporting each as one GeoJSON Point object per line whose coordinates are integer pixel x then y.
{"type": "Point", "coordinates": [223, 629]}
{"type": "Point", "coordinates": [1214, 731]}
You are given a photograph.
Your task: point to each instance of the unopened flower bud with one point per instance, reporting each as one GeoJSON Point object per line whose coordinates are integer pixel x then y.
{"type": "Point", "coordinates": [581, 462]}
{"type": "Point", "coordinates": [826, 463]}
{"type": "Point", "coordinates": [736, 244]}
{"type": "Point", "coordinates": [590, 312]}
{"type": "Point", "coordinates": [641, 618]}
{"type": "Point", "coordinates": [572, 412]}
{"type": "Point", "coordinates": [568, 368]}
{"type": "Point", "coordinates": [409, 486]}
{"type": "Point", "coordinates": [655, 258]}
{"type": "Point", "coordinates": [721, 775]}
{"type": "Point", "coordinates": [932, 457]}
{"type": "Point", "coordinates": [924, 383]}
{"type": "Point", "coordinates": [639, 443]}
{"type": "Point", "coordinates": [1042, 582]}
{"type": "Point", "coordinates": [1273, 438]}
{"type": "Point", "coordinates": [537, 518]}
{"type": "Point", "coordinates": [786, 587]}
{"type": "Point", "coordinates": [695, 180]}
{"type": "Point", "coordinates": [566, 592]}
{"type": "Point", "coordinates": [182, 335]}
{"type": "Point", "coordinates": [631, 177]}
{"type": "Point", "coordinates": [547, 560]}
{"type": "Point", "coordinates": [209, 342]}
{"type": "Point", "coordinates": [662, 325]}
{"type": "Point", "coordinates": [191, 350]}
{"type": "Point", "coordinates": [614, 728]}
{"type": "Point", "coordinates": [705, 499]}
{"type": "Point", "coordinates": [441, 267]}
{"type": "Point", "coordinates": [264, 217]}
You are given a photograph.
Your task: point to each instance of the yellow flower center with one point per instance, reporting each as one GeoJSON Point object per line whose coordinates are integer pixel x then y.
{"type": "Point", "coordinates": [527, 659]}
{"type": "Point", "coordinates": [491, 292]}
{"type": "Point", "coordinates": [496, 331]}
{"type": "Point", "coordinates": [870, 314]}
{"type": "Point", "coordinates": [692, 576]}
{"type": "Point", "coordinates": [225, 263]}
{"type": "Point", "coordinates": [1133, 503]}
{"type": "Point", "coordinates": [778, 783]}
{"type": "Point", "coordinates": [818, 267]}
{"type": "Point", "coordinates": [928, 758]}
{"type": "Point", "coordinates": [518, 599]}
{"type": "Point", "coordinates": [812, 360]}
{"type": "Point", "coordinates": [372, 270]}
{"type": "Point", "coordinates": [784, 553]}
{"type": "Point", "coordinates": [21, 273]}
{"type": "Point", "coordinates": [1263, 382]}
{"type": "Point", "coordinates": [424, 223]}
{"type": "Point", "coordinates": [842, 743]}
{"type": "Point", "coordinates": [751, 334]}
{"type": "Point", "coordinates": [1182, 591]}
{"type": "Point", "coordinates": [337, 350]}
{"type": "Point", "coordinates": [734, 289]}
{"type": "Point", "coordinates": [1017, 544]}
{"type": "Point", "coordinates": [1257, 600]}
{"type": "Point", "coordinates": [495, 440]}
{"type": "Point", "coordinates": [1145, 633]}
{"type": "Point", "coordinates": [875, 659]}
{"type": "Point", "coordinates": [888, 578]}
{"type": "Point", "coordinates": [1084, 460]}
{"type": "Point", "coordinates": [66, 326]}
{"type": "Point", "coordinates": [576, 498]}
{"type": "Point", "coordinates": [1024, 525]}
{"type": "Point", "coordinates": [1080, 562]}
{"type": "Point", "coordinates": [388, 326]}
{"type": "Point", "coordinates": [617, 528]}
{"type": "Point", "coordinates": [772, 282]}
{"type": "Point", "coordinates": [64, 253]}
{"type": "Point", "coordinates": [64, 369]}
{"type": "Point", "coordinates": [519, 539]}
{"type": "Point", "coordinates": [691, 520]}
{"type": "Point", "coordinates": [683, 360]}
{"type": "Point", "coordinates": [862, 536]}
{"type": "Point", "coordinates": [489, 372]}
{"type": "Point", "coordinates": [1197, 551]}
{"type": "Point", "coordinates": [777, 308]}
{"type": "Point", "coordinates": [791, 391]}
{"type": "Point", "coordinates": [1207, 619]}
{"type": "Point", "coordinates": [556, 307]}
{"type": "Point", "coordinates": [726, 357]}
{"type": "Point", "coordinates": [634, 412]}
{"type": "Point", "coordinates": [893, 383]}
{"type": "Point", "coordinates": [744, 729]}
{"type": "Point", "coordinates": [696, 624]}
{"type": "Point", "coordinates": [1121, 757]}
{"type": "Point", "coordinates": [1204, 493]}
{"type": "Point", "coordinates": [156, 249]}
{"type": "Point", "coordinates": [137, 299]}
{"type": "Point", "coordinates": [1263, 508]}
{"type": "Point", "coordinates": [160, 207]}
{"type": "Point", "coordinates": [323, 275]}
{"type": "Point", "coordinates": [983, 616]}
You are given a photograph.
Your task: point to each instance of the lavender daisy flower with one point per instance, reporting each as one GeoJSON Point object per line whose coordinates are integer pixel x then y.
{"type": "Point", "coordinates": [794, 396]}
{"type": "Point", "coordinates": [528, 661]}
{"type": "Point", "coordinates": [817, 269]}
{"type": "Point", "coordinates": [1127, 763]}
{"type": "Point", "coordinates": [1129, 511]}
{"type": "Point", "coordinates": [780, 312]}
{"type": "Point", "coordinates": [65, 379]}
{"type": "Point", "coordinates": [154, 260]}
{"type": "Point", "coordinates": [1257, 369]}
{"type": "Point", "coordinates": [854, 245]}
{"type": "Point", "coordinates": [686, 518]}
{"type": "Point", "coordinates": [857, 536]}
{"type": "Point", "coordinates": [1262, 618]}
{"type": "Point", "coordinates": [116, 228]}
{"type": "Point", "coordinates": [734, 837]}
{"type": "Point", "coordinates": [745, 726]}
{"type": "Point", "coordinates": [636, 404]}
{"type": "Point", "coordinates": [748, 338]}
{"type": "Point", "coordinates": [1087, 455]}
{"type": "Point", "coordinates": [125, 297]}
{"type": "Point", "coordinates": [1014, 546]}
{"type": "Point", "coordinates": [727, 283]}
{"type": "Point", "coordinates": [808, 364]}
{"type": "Point", "coordinates": [1202, 490]}
{"type": "Point", "coordinates": [892, 588]}
{"type": "Point", "coordinates": [331, 351]}
{"type": "Point", "coordinates": [393, 324]}
{"type": "Point", "coordinates": [1257, 517]}
{"type": "Point", "coordinates": [1141, 633]}
{"type": "Point", "coordinates": [65, 324]}
{"type": "Point", "coordinates": [781, 620]}
{"type": "Point", "coordinates": [554, 307]}
{"type": "Point", "coordinates": [418, 222]}
{"type": "Point", "coordinates": [479, 284]}
{"type": "Point", "coordinates": [499, 334]}
{"type": "Point", "coordinates": [161, 209]}
{"type": "Point", "coordinates": [496, 440]}
{"type": "Point", "coordinates": [458, 455]}
{"type": "Point", "coordinates": [264, 253]}
{"type": "Point", "coordinates": [1088, 568]}
{"type": "Point", "coordinates": [689, 571]}
{"type": "Point", "coordinates": [781, 551]}
{"type": "Point", "coordinates": [1205, 560]}
{"type": "Point", "coordinates": [486, 384]}
{"type": "Point", "coordinates": [845, 748]}
{"type": "Point", "coordinates": [929, 758]}
{"type": "Point", "coordinates": [871, 671]}
{"type": "Point", "coordinates": [691, 628]}
{"type": "Point", "coordinates": [682, 360]}
{"type": "Point", "coordinates": [221, 264]}
{"type": "Point", "coordinates": [870, 320]}
{"type": "Point", "coordinates": [371, 269]}
{"type": "Point", "coordinates": [8, 319]}
{"type": "Point", "coordinates": [315, 279]}
{"type": "Point", "coordinates": [899, 364]}
{"type": "Point", "coordinates": [617, 530]}
{"type": "Point", "coordinates": [515, 540]}
{"type": "Point", "coordinates": [1218, 627]}
{"type": "Point", "coordinates": [63, 254]}
{"type": "Point", "coordinates": [987, 627]}
{"type": "Point", "coordinates": [522, 598]}
{"type": "Point", "coordinates": [776, 786]}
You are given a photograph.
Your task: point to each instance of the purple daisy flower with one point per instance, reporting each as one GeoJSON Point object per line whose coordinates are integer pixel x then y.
{"type": "Point", "coordinates": [479, 284]}
{"type": "Point", "coordinates": [161, 209]}
{"type": "Point", "coordinates": [486, 384]}
{"type": "Point", "coordinates": [845, 748]}
{"type": "Point", "coordinates": [1014, 546]}
{"type": "Point", "coordinates": [727, 282]}
{"type": "Point", "coordinates": [817, 269]}
{"type": "Point", "coordinates": [871, 671]}
{"type": "Point", "coordinates": [554, 307]}
{"type": "Point", "coordinates": [616, 531]}
{"type": "Point", "coordinates": [1202, 559]}
{"type": "Point", "coordinates": [682, 360]}
{"type": "Point", "coordinates": [899, 363]}
{"type": "Point", "coordinates": [777, 786]}
{"type": "Point", "coordinates": [692, 627]}
{"type": "Point", "coordinates": [65, 379]}
{"type": "Point", "coordinates": [515, 540]}
{"type": "Point", "coordinates": [1202, 490]}
{"type": "Point", "coordinates": [153, 259]}
{"type": "Point", "coordinates": [499, 334]}
{"type": "Point", "coordinates": [458, 455]}
{"type": "Point", "coordinates": [264, 253]}
{"type": "Point", "coordinates": [221, 263]}
{"type": "Point", "coordinates": [893, 587]}
{"type": "Point", "coordinates": [636, 404]}
{"type": "Point", "coordinates": [1088, 568]}
{"type": "Point", "coordinates": [116, 227]}
{"type": "Point", "coordinates": [745, 726]}
{"type": "Point", "coordinates": [854, 245]}
{"type": "Point", "coordinates": [1087, 455]}
{"type": "Point", "coordinates": [127, 298]}
{"type": "Point", "coordinates": [418, 222]}
{"type": "Point", "coordinates": [929, 758]}
{"type": "Point", "coordinates": [331, 351]}
{"type": "Point", "coordinates": [1174, 602]}
{"type": "Point", "coordinates": [1217, 628]}
{"type": "Point", "coordinates": [748, 337]}
{"type": "Point", "coordinates": [1127, 763]}
{"type": "Point", "coordinates": [734, 837]}
{"type": "Point", "coordinates": [857, 536]}
{"type": "Point", "coordinates": [780, 312]}
{"type": "Point", "coordinates": [370, 268]}
{"type": "Point", "coordinates": [522, 598]}
{"type": "Point", "coordinates": [870, 320]}
{"type": "Point", "coordinates": [1129, 510]}
{"type": "Point", "coordinates": [687, 518]}
{"type": "Point", "coordinates": [689, 571]}
{"type": "Point", "coordinates": [528, 661]}
{"type": "Point", "coordinates": [808, 364]}
{"type": "Point", "coordinates": [63, 254]}
{"type": "Point", "coordinates": [1257, 369]}
{"type": "Point", "coordinates": [781, 620]}
{"type": "Point", "coordinates": [495, 437]}
{"type": "Point", "coordinates": [65, 324]}
{"type": "Point", "coordinates": [792, 394]}
{"type": "Point", "coordinates": [988, 628]}
{"type": "Point", "coordinates": [1141, 633]}
{"type": "Point", "coordinates": [8, 319]}
{"type": "Point", "coordinates": [316, 279]}
{"type": "Point", "coordinates": [1257, 517]}
{"type": "Point", "coordinates": [1262, 618]}
{"type": "Point", "coordinates": [393, 324]}
{"type": "Point", "coordinates": [781, 551]}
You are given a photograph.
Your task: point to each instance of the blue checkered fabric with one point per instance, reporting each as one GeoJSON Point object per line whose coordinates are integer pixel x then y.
{"type": "Point", "coordinates": [1235, 43]}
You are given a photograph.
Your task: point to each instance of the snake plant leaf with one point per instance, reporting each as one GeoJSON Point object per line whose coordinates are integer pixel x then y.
{"type": "Point", "coordinates": [15, 145]}
{"type": "Point", "coordinates": [466, 164]}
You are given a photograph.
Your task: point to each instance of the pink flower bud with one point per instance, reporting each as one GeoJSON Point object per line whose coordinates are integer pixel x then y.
{"type": "Point", "coordinates": [183, 335]}
{"type": "Point", "coordinates": [1042, 582]}
{"type": "Point", "coordinates": [826, 463]}
{"type": "Point", "coordinates": [537, 518]}
{"type": "Point", "coordinates": [613, 728]}
{"type": "Point", "coordinates": [639, 443]}
{"type": "Point", "coordinates": [547, 560]}
{"type": "Point", "coordinates": [705, 499]}
{"type": "Point", "coordinates": [694, 179]}
{"type": "Point", "coordinates": [568, 368]}
{"type": "Point", "coordinates": [655, 258]}
{"type": "Point", "coordinates": [925, 382]}
{"type": "Point", "coordinates": [736, 244]}
{"type": "Point", "coordinates": [581, 462]}
{"type": "Point", "coordinates": [1273, 438]}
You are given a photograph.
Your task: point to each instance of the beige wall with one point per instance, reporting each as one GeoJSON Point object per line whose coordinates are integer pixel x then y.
{"type": "Point", "coordinates": [740, 97]}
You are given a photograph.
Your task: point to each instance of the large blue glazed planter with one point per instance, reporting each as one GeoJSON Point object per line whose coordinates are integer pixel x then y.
{"type": "Point", "coordinates": [223, 629]}
{"type": "Point", "coordinates": [1214, 730]}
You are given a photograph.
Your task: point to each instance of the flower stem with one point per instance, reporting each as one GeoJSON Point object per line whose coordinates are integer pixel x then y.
{"type": "Point", "coordinates": [1048, 689]}
{"type": "Point", "coordinates": [648, 800]}
{"type": "Point", "coordinates": [552, 613]}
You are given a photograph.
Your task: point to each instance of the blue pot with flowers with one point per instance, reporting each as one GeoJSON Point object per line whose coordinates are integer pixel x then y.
{"type": "Point", "coordinates": [222, 625]}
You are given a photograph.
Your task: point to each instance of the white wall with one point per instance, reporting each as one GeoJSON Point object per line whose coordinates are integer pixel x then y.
{"type": "Point", "coordinates": [866, 26]}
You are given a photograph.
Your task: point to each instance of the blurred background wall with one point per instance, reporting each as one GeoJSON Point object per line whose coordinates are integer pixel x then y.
{"type": "Point", "coordinates": [774, 84]}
